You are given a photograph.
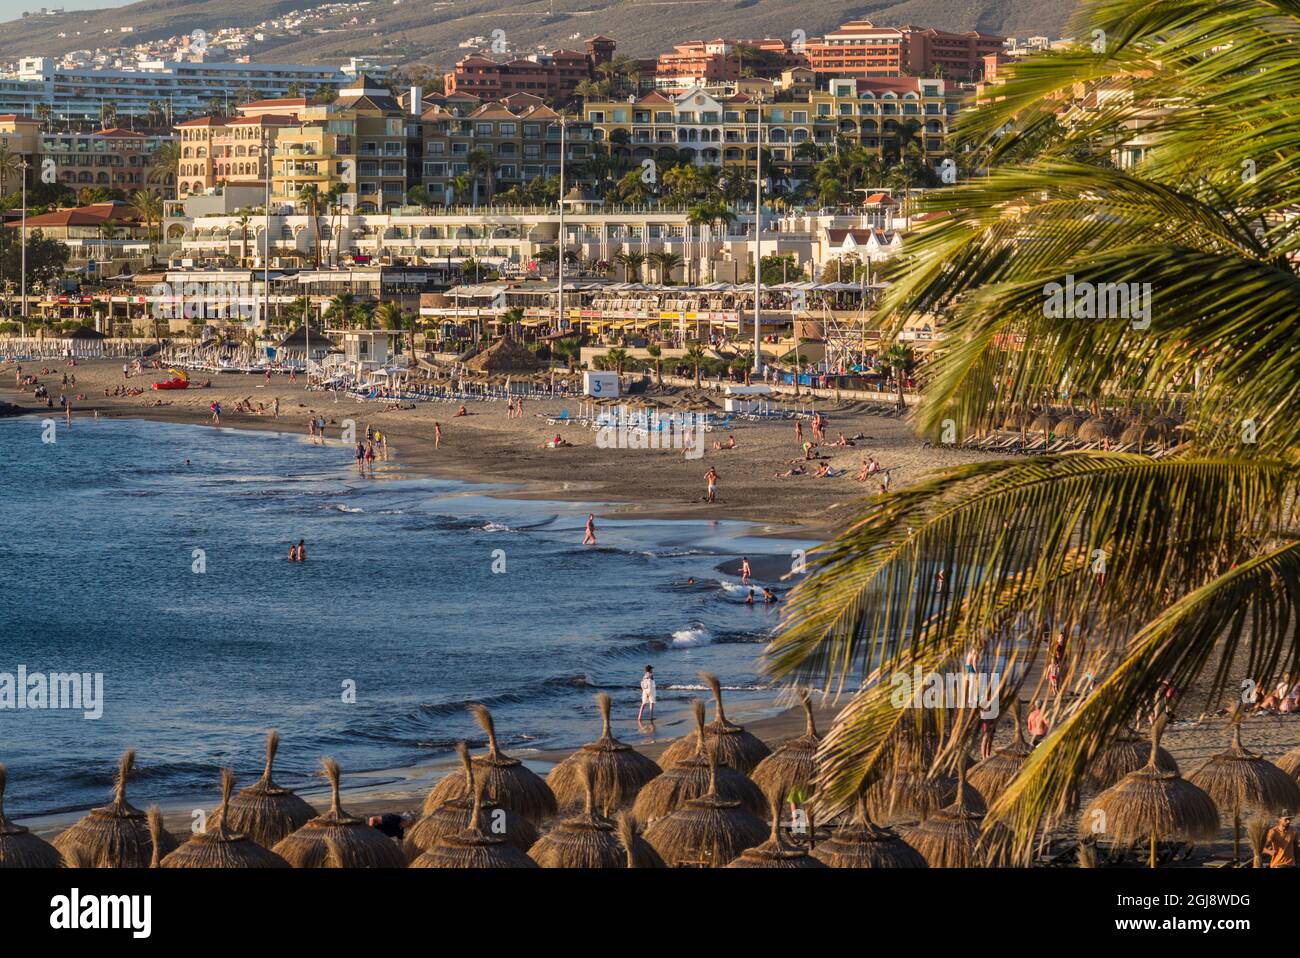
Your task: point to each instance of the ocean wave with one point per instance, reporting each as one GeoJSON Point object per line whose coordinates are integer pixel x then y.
{"type": "Point", "coordinates": [692, 637]}
{"type": "Point", "coordinates": [340, 507]}
{"type": "Point", "coordinates": [495, 527]}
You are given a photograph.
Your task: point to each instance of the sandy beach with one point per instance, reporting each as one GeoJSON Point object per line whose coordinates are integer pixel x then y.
{"type": "Point", "coordinates": [486, 445]}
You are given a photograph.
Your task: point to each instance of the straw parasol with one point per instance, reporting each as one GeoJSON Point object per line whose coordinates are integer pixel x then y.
{"type": "Point", "coordinates": [706, 832]}
{"type": "Point", "coordinates": [219, 846]}
{"type": "Point", "coordinates": [452, 818]}
{"type": "Point", "coordinates": [953, 836]}
{"type": "Point", "coordinates": [1069, 425]}
{"type": "Point", "coordinates": [1095, 429]}
{"type": "Point", "coordinates": [473, 847]}
{"type": "Point", "coordinates": [506, 781]}
{"type": "Point", "coordinates": [621, 771]}
{"type": "Point", "coordinates": [793, 766]}
{"type": "Point", "coordinates": [337, 840]}
{"type": "Point", "coordinates": [589, 840]}
{"type": "Point", "coordinates": [690, 779]}
{"type": "Point", "coordinates": [114, 836]}
{"type": "Point", "coordinates": [864, 844]}
{"type": "Point", "coordinates": [1239, 779]}
{"type": "Point", "coordinates": [911, 790]}
{"type": "Point", "coordinates": [731, 744]}
{"type": "Point", "coordinates": [774, 853]}
{"type": "Point", "coordinates": [993, 774]}
{"type": "Point", "coordinates": [1151, 803]}
{"type": "Point", "coordinates": [19, 848]}
{"type": "Point", "coordinates": [264, 811]}
{"type": "Point", "coordinates": [1127, 755]}
{"type": "Point", "coordinates": [1044, 422]}
{"type": "Point", "coordinates": [1290, 762]}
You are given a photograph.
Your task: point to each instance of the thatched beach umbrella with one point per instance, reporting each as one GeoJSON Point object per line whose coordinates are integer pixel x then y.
{"type": "Point", "coordinates": [219, 846]}
{"type": "Point", "coordinates": [506, 781]}
{"type": "Point", "coordinates": [1238, 780]}
{"type": "Point", "coordinates": [706, 832]}
{"type": "Point", "coordinates": [953, 837]}
{"type": "Point", "coordinates": [264, 811]}
{"type": "Point", "coordinates": [589, 840]}
{"type": "Point", "coordinates": [864, 844]}
{"type": "Point", "coordinates": [1126, 755]}
{"type": "Point", "coordinates": [1044, 422]}
{"type": "Point", "coordinates": [473, 847]}
{"type": "Point", "coordinates": [114, 836]}
{"type": "Point", "coordinates": [1069, 425]}
{"type": "Point", "coordinates": [19, 848]}
{"type": "Point", "coordinates": [337, 840]}
{"type": "Point", "coordinates": [1095, 429]}
{"type": "Point", "coordinates": [793, 765]}
{"type": "Point", "coordinates": [911, 790]}
{"type": "Point", "coordinates": [729, 743]}
{"type": "Point", "coordinates": [452, 818]}
{"type": "Point", "coordinates": [1290, 762]}
{"type": "Point", "coordinates": [993, 774]}
{"type": "Point", "coordinates": [666, 793]}
{"type": "Point", "coordinates": [1151, 803]}
{"type": "Point", "coordinates": [775, 853]}
{"type": "Point", "coordinates": [621, 770]}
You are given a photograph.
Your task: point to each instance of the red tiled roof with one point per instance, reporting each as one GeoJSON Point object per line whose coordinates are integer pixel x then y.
{"type": "Point", "coordinates": [95, 214]}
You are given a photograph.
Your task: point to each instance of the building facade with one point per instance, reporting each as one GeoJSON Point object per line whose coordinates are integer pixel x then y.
{"type": "Point", "coordinates": [552, 76]}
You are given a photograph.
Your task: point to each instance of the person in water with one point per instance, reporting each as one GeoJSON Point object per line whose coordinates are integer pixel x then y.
{"type": "Point", "coordinates": [744, 570]}
{"type": "Point", "coordinates": [302, 550]}
{"type": "Point", "coordinates": [749, 599]}
{"type": "Point", "coordinates": [590, 538]}
{"type": "Point", "coordinates": [768, 596]}
{"type": "Point", "coordinates": [647, 693]}
{"type": "Point", "coordinates": [293, 552]}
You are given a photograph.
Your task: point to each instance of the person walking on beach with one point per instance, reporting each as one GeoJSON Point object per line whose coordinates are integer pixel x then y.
{"type": "Point", "coordinates": [798, 432]}
{"type": "Point", "coordinates": [437, 435]}
{"type": "Point", "coordinates": [1280, 844]}
{"type": "Point", "coordinates": [590, 538]}
{"type": "Point", "coordinates": [275, 407]}
{"type": "Point", "coordinates": [361, 458]}
{"type": "Point", "coordinates": [216, 413]}
{"type": "Point", "coordinates": [370, 456]}
{"type": "Point", "coordinates": [311, 430]}
{"type": "Point", "coordinates": [647, 693]}
{"type": "Point", "coordinates": [711, 477]}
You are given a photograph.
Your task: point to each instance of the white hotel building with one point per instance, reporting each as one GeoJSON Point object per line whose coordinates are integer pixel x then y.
{"type": "Point", "coordinates": [181, 89]}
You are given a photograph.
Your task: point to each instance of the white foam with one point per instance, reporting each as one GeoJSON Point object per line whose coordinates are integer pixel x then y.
{"type": "Point", "coordinates": [696, 635]}
{"type": "Point", "coordinates": [496, 527]}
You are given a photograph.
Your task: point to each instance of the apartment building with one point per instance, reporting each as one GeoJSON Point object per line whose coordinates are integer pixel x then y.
{"type": "Point", "coordinates": [519, 134]}
{"type": "Point", "coordinates": [22, 135]}
{"type": "Point", "coordinates": [709, 62]}
{"type": "Point", "coordinates": [64, 92]}
{"type": "Point", "coordinates": [859, 48]}
{"type": "Point", "coordinates": [552, 76]}
{"type": "Point", "coordinates": [715, 130]}
{"type": "Point", "coordinates": [113, 159]}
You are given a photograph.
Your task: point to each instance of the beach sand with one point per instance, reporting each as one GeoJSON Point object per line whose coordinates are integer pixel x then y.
{"type": "Point", "coordinates": [488, 446]}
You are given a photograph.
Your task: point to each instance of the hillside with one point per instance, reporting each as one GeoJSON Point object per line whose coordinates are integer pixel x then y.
{"type": "Point", "coordinates": [428, 31]}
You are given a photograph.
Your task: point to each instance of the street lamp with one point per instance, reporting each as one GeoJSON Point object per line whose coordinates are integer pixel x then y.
{"type": "Point", "coordinates": [23, 167]}
{"type": "Point", "coordinates": [559, 259]}
{"type": "Point", "coordinates": [758, 248]}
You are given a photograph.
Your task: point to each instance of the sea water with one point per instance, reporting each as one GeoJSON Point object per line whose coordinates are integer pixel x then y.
{"type": "Point", "coordinates": [155, 555]}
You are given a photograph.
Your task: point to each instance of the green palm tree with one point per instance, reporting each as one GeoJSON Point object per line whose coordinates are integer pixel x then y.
{"type": "Point", "coordinates": [900, 359]}
{"type": "Point", "coordinates": [567, 348]}
{"type": "Point", "coordinates": [664, 262]}
{"type": "Point", "coordinates": [1172, 567]}
{"type": "Point", "coordinates": [697, 357]}
{"type": "Point", "coordinates": [164, 161]}
{"type": "Point", "coordinates": [10, 163]}
{"type": "Point", "coordinates": [481, 165]}
{"type": "Point", "coordinates": [461, 187]}
{"type": "Point", "coordinates": [243, 221]}
{"type": "Point", "coordinates": [657, 357]}
{"type": "Point", "coordinates": [631, 263]}
{"type": "Point", "coordinates": [341, 308]}
{"type": "Point", "coordinates": [311, 198]}
{"type": "Point", "coordinates": [617, 359]}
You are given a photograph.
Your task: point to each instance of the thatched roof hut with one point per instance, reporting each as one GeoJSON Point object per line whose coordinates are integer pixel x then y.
{"type": "Point", "coordinates": [993, 774]}
{"type": "Point", "coordinates": [793, 766]}
{"type": "Point", "coordinates": [1238, 780]}
{"type": "Point", "coordinates": [505, 355]}
{"type": "Point", "coordinates": [1150, 803]}
{"type": "Point", "coordinates": [335, 839]}
{"type": "Point", "coordinates": [1095, 429]}
{"type": "Point", "coordinates": [473, 847]}
{"type": "Point", "coordinates": [689, 779]}
{"type": "Point", "coordinates": [19, 848]}
{"type": "Point", "coordinates": [264, 811]}
{"type": "Point", "coordinates": [706, 832]}
{"type": "Point", "coordinates": [506, 781]}
{"type": "Point", "coordinates": [910, 790]}
{"type": "Point", "coordinates": [864, 844]}
{"type": "Point", "coordinates": [1127, 754]}
{"type": "Point", "coordinates": [1290, 762]}
{"type": "Point", "coordinates": [114, 836]}
{"type": "Point", "coordinates": [452, 817]}
{"type": "Point", "coordinates": [589, 840]}
{"type": "Point", "coordinates": [219, 846]}
{"type": "Point", "coordinates": [621, 770]}
{"type": "Point", "coordinates": [954, 837]}
{"type": "Point", "coordinates": [729, 743]}
{"type": "Point", "coordinates": [775, 853]}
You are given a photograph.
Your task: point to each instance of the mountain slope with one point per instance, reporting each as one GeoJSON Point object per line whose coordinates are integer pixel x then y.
{"type": "Point", "coordinates": [428, 32]}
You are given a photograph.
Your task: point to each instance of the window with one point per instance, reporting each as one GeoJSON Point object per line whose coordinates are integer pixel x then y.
{"type": "Point", "coordinates": [597, 116]}
{"type": "Point", "coordinates": [482, 129]}
{"type": "Point", "coordinates": [507, 129]}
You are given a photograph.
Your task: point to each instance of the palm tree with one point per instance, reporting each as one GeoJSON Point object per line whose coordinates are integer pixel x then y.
{"type": "Point", "coordinates": [243, 221]}
{"type": "Point", "coordinates": [664, 263]}
{"type": "Point", "coordinates": [147, 206]}
{"type": "Point", "coordinates": [1172, 568]}
{"type": "Point", "coordinates": [164, 162]}
{"type": "Point", "coordinates": [697, 357]}
{"type": "Point", "coordinates": [480, 164]}
{"type": "Point", "coordinates": [390, 316]}
{"type": "Point", "coordinates": [657, 357]}
{"type": "Point", "coordinates": [900, 359]}
{"type": "Point", "coordinates": [333, 203]}
{"type": "Point", "coordinates": [309, 195]}
{"type": "Point", "coordinates": [341, 308]}
{"type": "Point", "coordinates": [10, 163]}
{"type": "Point", "coordinates": [567, 348]}
{"type": "Point", "coordinates": [631, 263]}
{"type": "Point", "coordinates": [462, 186]}
{"type": "Point", "coordinates": [107, 233]}
{"type": "Point", "coordinates": [617, 359]}
{"type": "Point", "coordinates": [418, 196]}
